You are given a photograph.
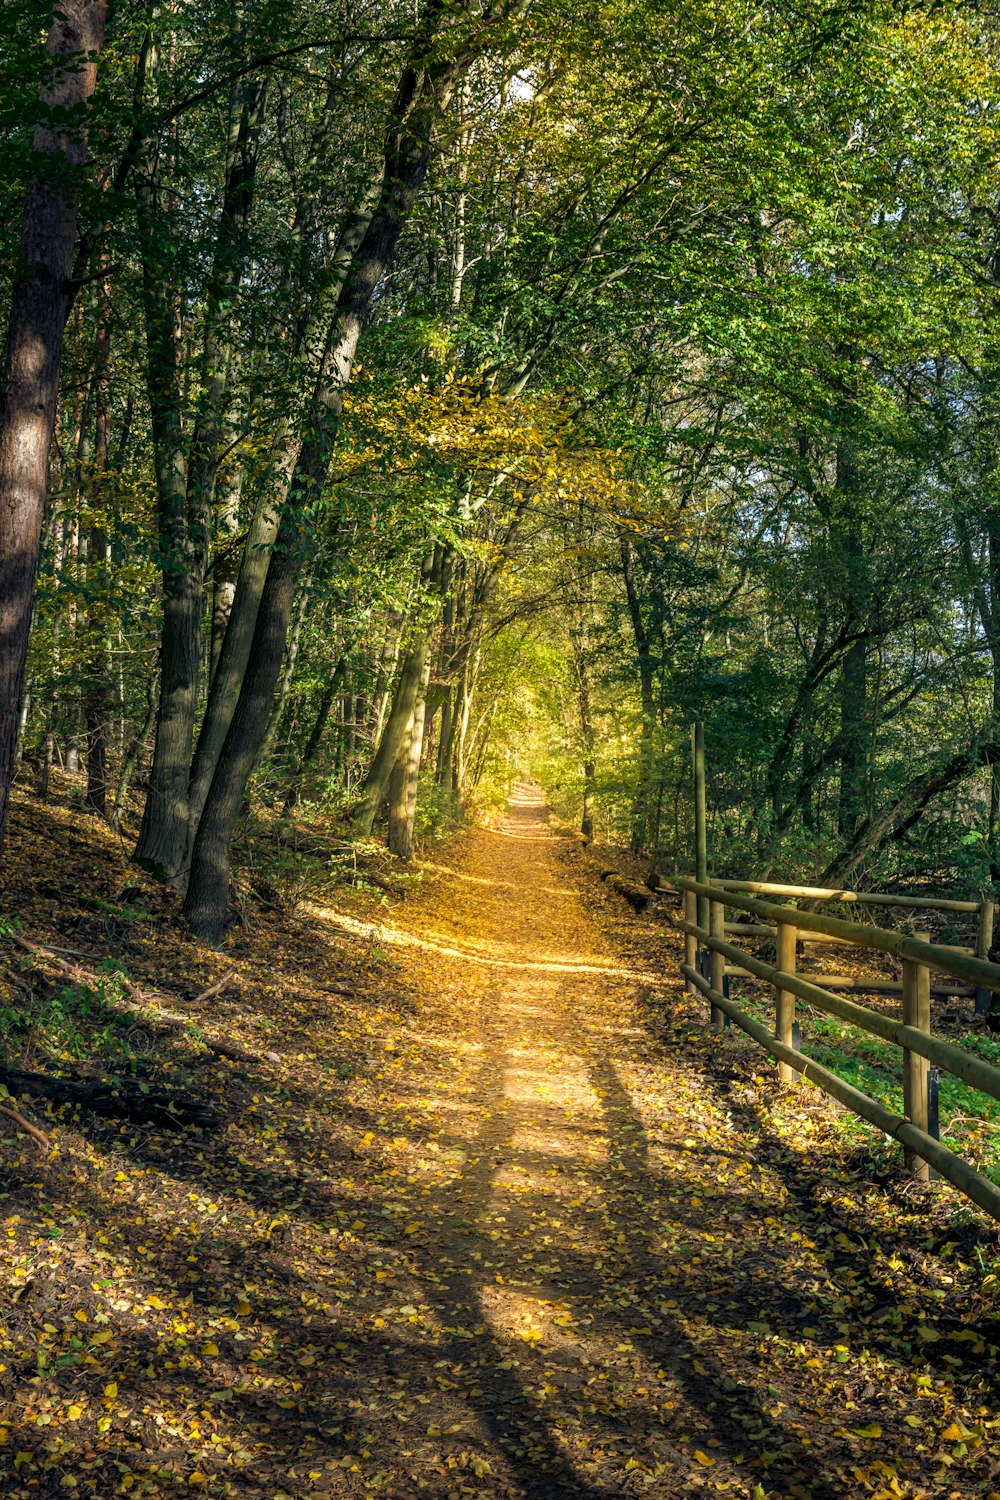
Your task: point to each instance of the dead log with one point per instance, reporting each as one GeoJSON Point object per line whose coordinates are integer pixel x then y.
{"type": "Point", "coordinates": [120, 1101]}
{"type": "Point", "coordinates": [638, 896]}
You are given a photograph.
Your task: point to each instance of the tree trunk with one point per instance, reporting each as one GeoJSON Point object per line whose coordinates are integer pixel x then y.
{"type": "Point", "coordinates": [425, 88]}
{"type": "Point", "coordinates": [589, 769]}
{"type": "Point", "coordinates": [163, 836]}
{"type": "Point", "coordinates": [207, 900]}
{"type": "Point", "coordinates": [292, 462]}
{"type": "Point", "coordinates": [225, 570]}
{"type": "Point", "coordinates": [186, 490]}
{"type": "Point", "coordinates": [466, 692]}
{"type": "Point", "coordinates": [287, 673]}
{"type": "Point", "coordinates": [406, 774]}
{"type": "Point", "coordinates": [396, 735]}
{"type": "Point", "coordinates": [40, 303]}
{"type": "Point", "coordinates": [642, 808]}
{"type": "Point", "coordinates": [231, 665]}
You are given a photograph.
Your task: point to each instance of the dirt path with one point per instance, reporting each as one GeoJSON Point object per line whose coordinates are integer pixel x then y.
{"type": "Point", "coordinates": [621, 1292]}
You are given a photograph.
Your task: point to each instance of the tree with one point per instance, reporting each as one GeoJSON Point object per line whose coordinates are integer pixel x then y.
{"type": "Point", "coordinates": [40, 304]}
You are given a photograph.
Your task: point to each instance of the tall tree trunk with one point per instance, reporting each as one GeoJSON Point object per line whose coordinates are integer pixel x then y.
{"type": "Point", "coordinates": [642, 806]}
{"type": "Point", "coordinates": [466, 693]}
{"type": "Point", "coordinates": [163, 836]}
{"type": "Point", "coordinates": [446, 739]}
{"type": "Point", "coordinates": [287, 673]}
{"type": "Point", "coordinates": [396, 734]}
{"type": "Point", "coordinates": [293, 459]}
{"type": "Point", "coordinates": [207, 899]}
{"type": "Point", "coordinates": [225, 570]}
{"type": "Point", "coordinates": [587, 737]}
{"type": "Point", "coordinates": [386, 670]}
{"type": "Point", "coordinates": [186, 486]}
{"type": "Point", "coordinates": [406, 774]}
{"type": "Point", "coordinates": [40, 303]}
{"type": "Point", "coordinates": [428, 80]}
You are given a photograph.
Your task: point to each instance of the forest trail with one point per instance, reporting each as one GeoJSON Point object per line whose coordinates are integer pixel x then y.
{"type": "Point", "coordinates": [622, 1292]}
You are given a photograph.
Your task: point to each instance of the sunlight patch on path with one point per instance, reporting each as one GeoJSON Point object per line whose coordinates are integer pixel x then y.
{"type": "Point", "coordinates": [399, 938]}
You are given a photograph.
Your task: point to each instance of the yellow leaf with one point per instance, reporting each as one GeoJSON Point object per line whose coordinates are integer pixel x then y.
{"type": "Point", "coordinates": [75, 1412]}
{"type": "Point", "coordinates": [702, 1458]}
{"type": "Point", "coordinates": [111, 1389]}
{"type": "Point", "coordinates": [956, 1433]}
{"type": "Point", "coordinates": [209, 1350]}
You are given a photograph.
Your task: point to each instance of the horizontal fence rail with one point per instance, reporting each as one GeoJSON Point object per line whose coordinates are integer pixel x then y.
{"type": "Point", "coordinates": [865, 898]}
{"type": "Point", "coordinates": [912, 1033]}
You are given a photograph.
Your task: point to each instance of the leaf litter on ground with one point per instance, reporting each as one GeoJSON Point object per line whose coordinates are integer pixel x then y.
{"type": "Point", "coordinates": [487, 1211]}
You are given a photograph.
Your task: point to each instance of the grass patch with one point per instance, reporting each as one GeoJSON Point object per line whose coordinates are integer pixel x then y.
{"type": "Point", "coordinates": [969, 1119]}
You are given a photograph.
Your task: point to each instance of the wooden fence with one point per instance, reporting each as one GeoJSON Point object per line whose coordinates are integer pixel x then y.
{"type": "Point", "coordinates": [707, 948]}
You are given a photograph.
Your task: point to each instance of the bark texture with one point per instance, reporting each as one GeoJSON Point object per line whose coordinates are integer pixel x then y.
{"type": "Point", "coordinates": [40, 304]}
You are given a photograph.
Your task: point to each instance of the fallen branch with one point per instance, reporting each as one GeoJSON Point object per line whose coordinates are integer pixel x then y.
{"type": "Point", "coordinates": [73, 971]}
{"type": "Point", "coordinates": [119, 1100]}
{"type": "Point", "coordinates": [236, 1052]}
{"type": "Point", "coordinates": [150, 1002]}
{"type": "Point", "coordinates": [26, 1128]}
{"type": "Point", "coordinates": [214, 989]}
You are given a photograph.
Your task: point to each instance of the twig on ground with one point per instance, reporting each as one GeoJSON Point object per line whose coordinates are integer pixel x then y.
{"type": "Point", "coordinates": [214, 989]}
{"type": "Point", "coordinates": [26, 1128]}
{"type": "Point", "coordinates": [234, 1051]}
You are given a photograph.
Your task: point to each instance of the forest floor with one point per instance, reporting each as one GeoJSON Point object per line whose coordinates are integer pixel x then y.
{"type": "Point", "coordinates": [488, 1212]}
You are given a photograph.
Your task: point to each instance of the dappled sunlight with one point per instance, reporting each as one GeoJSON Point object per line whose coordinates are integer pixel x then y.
{"type": "Point", "coordinates": [447, 949]}
{"type": "Point", "coordinates": [492, 882]}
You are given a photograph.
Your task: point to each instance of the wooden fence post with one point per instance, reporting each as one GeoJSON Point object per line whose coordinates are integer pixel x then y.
{"type": "Point", "coordinates": [984, 938]}
{"type": "Point", "coordinates": [916, 1013]}
{"type": "Point", "coordinates": [984, 942]}
{"type": "Point", "coordinates": [691, 942]}
{"type": "Point", "coordinates": [717, 927]}
{"type": "Point", "coordinates": [784, 1000]}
